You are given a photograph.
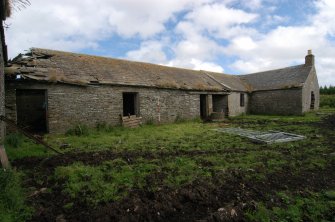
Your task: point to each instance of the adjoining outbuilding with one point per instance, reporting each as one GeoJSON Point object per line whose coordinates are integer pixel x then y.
{"type": "Point", "coordinates": [51, 91]}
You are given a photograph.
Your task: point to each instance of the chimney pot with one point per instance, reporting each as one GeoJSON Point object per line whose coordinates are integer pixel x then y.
{"type": "Point", "coordinates": [309, 59]}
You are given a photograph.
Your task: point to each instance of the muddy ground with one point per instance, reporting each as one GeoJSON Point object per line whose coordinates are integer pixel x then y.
{"type": "Point", "coordinates": [228, 197]}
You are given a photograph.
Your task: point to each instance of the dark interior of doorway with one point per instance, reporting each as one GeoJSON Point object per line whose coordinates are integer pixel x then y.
{"type": "Point", "coordinates": [31, 108]}
{"type": "Point", "coordinates": [312, 100]}
{"type": "Point", "coordinates": [129, 104]}
{"type": "Point", "coordinates": [203, 106]}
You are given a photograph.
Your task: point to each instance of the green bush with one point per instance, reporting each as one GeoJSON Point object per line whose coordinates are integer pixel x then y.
{"type": "Point", "coordinates": [12, 206]}
{"type": "Point", "coordinates": [78, 130]}
{"type": "Point", "coordinates": [327, 101]}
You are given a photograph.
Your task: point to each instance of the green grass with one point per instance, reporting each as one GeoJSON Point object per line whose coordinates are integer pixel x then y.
{"type": "Point", "coordinates": [113, 180]}
{"type": "Point", "coordinates": [306, 117]}
{"type": "Point", "coordinates": [296, 208]}
{"type": "Point", "coordinates": [12, 206]}
{"type": "Point", "coordinates": [18, 146]}
{"type": "Point", "coordinates": [183, 170]}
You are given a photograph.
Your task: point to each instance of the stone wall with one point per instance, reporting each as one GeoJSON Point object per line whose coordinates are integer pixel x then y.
{"type": "Point", "coordinates": [69, 105]}
{"type": "Point", "coordinates": [281, 102]}
{"type": "Point", "coordinates": [311, 85]}
{"type": "Point", "coordinates": [234, 106]}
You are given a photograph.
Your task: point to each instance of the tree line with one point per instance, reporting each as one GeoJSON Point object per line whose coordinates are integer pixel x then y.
{"type": "Point", "coordinates": [327, 90]}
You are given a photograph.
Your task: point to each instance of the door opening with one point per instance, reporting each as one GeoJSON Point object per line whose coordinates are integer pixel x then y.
{"type": "Point", "coordinates": [31, 109]}
{"type": "Point", "coordinates": [312, 100]}
{"type": "Point", "coordinates": [130, 104]}
{"type": "Point", "coordinates": [203, 106]}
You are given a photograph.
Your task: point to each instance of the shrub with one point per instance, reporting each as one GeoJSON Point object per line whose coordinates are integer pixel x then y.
{"type": "Point", "coordinates": [327, 101]}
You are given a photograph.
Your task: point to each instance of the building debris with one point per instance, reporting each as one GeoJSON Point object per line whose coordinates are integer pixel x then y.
{"type": "Point", "coordinates": [267, 137]}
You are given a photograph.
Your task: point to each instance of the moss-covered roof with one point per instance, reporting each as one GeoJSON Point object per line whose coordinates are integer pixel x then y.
{"type": "Point", "coordinates": [73, 68]}
{"type": "Point", "coordinates": [289, 77]}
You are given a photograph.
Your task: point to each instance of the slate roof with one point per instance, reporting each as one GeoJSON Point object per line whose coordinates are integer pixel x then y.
{"type": "Point", "coordinates": [80, 69]}
{"type": "Point", "coordinates": [50, 65]}
{"type": "Point", "coordinates": [288, 77]}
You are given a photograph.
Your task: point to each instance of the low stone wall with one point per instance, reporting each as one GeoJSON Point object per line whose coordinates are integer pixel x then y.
{"type": "Point", "coordinates": [281, 102]}
{"type": "Point", "coordinates": [70, 105]}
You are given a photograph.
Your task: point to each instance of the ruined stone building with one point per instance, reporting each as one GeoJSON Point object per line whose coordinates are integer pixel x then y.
{"type": "Point", "coordinates": [51, 91]}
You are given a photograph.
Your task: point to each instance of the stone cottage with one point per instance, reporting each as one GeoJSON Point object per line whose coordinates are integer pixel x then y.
{"type": "Point", "coordinates": [51, 91]}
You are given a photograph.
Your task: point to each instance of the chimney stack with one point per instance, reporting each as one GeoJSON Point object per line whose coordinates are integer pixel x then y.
{"type": "Point", "coordinates": [309, 59]}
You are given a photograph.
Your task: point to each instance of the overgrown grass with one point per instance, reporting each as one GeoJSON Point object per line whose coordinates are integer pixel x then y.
{"type": "Point", "coordinates": [12, 206]}
{"type": "Point", "coordinates": [296, 208]}
{"type": "Point", "coordinates": [18, 146]}
{"type": "Point", "coordinates": [168, 137]}
{"type": "Point", "coordinates": [111, 180]}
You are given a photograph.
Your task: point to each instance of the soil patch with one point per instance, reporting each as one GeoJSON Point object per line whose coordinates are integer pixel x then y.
{"type": "Point", "coordinates": [226, 198]}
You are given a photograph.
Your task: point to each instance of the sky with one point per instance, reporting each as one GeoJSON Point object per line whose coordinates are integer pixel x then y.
{"type": "Point", "coordinates": [230, 36]}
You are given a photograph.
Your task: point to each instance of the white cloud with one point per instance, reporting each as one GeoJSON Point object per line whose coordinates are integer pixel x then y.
{"type": "Point", "coordinates": [287, 45]}
{"type": "Point", "coordinates": [218, 19]}
{"type": "Point", "coordinates": [150, 51]}
{"type": "Point", "coordinates": [196, 33]}
{"type": "Point", "coordinates": [68, 25]}
{"type": "Point", "coordinates": [208, 66]}
{"type": "Point", "coordinates": [243, 43]}
{"type": "Point", "coordinates": [195, 64]}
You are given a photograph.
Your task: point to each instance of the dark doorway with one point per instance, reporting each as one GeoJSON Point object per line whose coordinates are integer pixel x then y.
{"type": "Point", "coordinates": [130, 106]}
{"type": "Point", "coordinates": [204, 106]}
{"type": "Point", "coordinates": [31, 109]}
{"type": "Point", "coordinates": [312, 100]}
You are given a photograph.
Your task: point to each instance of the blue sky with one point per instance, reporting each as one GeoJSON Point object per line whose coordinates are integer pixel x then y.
{"type": "Point", "coordinates": [231, 36]}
